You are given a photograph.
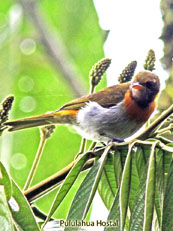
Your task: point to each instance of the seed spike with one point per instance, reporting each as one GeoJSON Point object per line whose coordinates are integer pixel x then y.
{"type": "Point", "coordinates": [128, 72]}
{"type": "Point", "coordinates": [98, 70]}
{"type": "Point", "coordinates": [150, 61]}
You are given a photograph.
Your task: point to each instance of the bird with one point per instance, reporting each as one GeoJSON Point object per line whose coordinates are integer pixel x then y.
{"type": "Point", "coordinates": [114, 113]}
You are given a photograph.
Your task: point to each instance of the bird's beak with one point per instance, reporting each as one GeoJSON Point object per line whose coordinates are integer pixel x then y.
{"type": "Point", "coordinates": [137, 86]}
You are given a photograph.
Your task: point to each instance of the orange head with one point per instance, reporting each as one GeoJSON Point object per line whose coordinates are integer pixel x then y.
{"type": "Point", "coordinates": [139, 100]}
{"type": "Point", "coordinates": [144, 88]}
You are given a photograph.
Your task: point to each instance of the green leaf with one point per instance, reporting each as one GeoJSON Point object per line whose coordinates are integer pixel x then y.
{"type": "Point", "coordinates": [21, 211]}
{"type": "Point", "coordinates": [114, 215]}
{"type": "Point", "coordinates": [147, 151]}
{"type": "Point", "coordinates": [5, 180]}
{"type": "Point", "coordinates": [66, 186]}
{"type": "Point", "coordinates": [127, 225]}
{"type": "Point", "coordinates": [163, 165]}
{"type": "Point", "coordinates": [134, 179]}
{"type": "Point", "coordinates": [160, 172]}
{"type": "Point", "coordinates": [125, 187]}
{"type": "Point", "coordinates": [158, 207]}
{"type": "Point", "coordinates": [86, 192]}
{"type": "Point", "coordinates": [6, 221]}
{"type": "Point", "coordinates": [150, 190]}
{"type": "Point", "coordinates": [118, 166]}
{"type": "Point", "coordinates": [107, 186]}
{"type": "Point", "coordinates": [167, 221]}
{"type": "Point", "coordinates": [141, 161]}
{"type": "Point", "coordinates": [137, 214]}
{"type": "Point", "coordinates": [160, 184]}
{"type": "Point", "coordinates": [155, 223]}
{"type": "Point", "coordinates": [167, 157]}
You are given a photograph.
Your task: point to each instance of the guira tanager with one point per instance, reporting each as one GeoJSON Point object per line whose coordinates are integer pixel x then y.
{"type": "Point", "coordinates": [115, 112]}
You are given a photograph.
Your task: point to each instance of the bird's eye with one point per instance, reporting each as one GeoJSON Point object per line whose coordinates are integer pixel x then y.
{"type": "Point", "coordinates": [150, 84]}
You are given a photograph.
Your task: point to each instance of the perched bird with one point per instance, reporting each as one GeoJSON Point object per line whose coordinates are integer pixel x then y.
{"type": "Point", "coordinates": [113, 113]}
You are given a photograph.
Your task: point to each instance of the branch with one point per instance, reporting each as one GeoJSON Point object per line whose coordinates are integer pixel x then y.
{"type": "Point", "coordinates": [52, 182]}
{"type": "Point", "coordinates": [54, 47]}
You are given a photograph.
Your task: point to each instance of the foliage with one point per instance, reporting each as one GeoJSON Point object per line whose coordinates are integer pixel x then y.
{"type": "Point", "coordinates": [138, 192]}
{"type": "Point", "coordinates": [33, 75]}
{"type": "Point", "coordinates": [133, 179]}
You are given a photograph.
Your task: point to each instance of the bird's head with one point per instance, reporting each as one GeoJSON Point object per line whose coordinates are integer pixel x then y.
{"type": "Point", "coordinates": [144, 88]}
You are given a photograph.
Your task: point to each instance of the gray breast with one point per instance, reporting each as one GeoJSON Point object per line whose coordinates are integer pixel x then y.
{"type": "Point", "coordinates": [94, 119]}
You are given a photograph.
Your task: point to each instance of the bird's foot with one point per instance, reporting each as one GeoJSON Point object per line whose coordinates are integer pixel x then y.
{"type": "Point", "coordinates": [112, 138]}
{"type": "Point", "coordinates": [99, 147]}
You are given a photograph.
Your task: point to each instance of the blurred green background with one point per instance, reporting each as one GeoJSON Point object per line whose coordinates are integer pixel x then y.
{"type": "Point", "coordinates": [37, 77]}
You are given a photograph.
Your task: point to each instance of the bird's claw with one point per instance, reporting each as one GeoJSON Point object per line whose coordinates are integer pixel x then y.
{"type": "Point", "coordinates": [112, 138]}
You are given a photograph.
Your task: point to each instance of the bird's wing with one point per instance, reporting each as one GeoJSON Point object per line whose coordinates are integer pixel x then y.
{"type": "Point", "coordinates": [106, 98]}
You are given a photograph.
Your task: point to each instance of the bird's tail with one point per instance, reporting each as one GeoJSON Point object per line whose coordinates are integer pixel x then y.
{"type": "Point", "coordinates": [58, 117]}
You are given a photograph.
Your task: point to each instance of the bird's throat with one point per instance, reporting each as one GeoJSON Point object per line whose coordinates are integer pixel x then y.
{"type": "Point", "coordinates": [136, 111]}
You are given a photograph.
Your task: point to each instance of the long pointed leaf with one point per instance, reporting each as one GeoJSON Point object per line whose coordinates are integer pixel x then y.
{"type": "Point", "coordinates": [137, 214]}
{"type": "Point", "coordinates": [21, 211]}
{"type": "Point", "coordinates": [167, 221]}
{"type": "Point", "coordinates": [155, 223]}
{"type": "Point", "coordinates": [66, 186]}
{"type": "Point", "coordinates": [86, 192]}
{"type": "Point", "coordinates": [160, 184]}
{"type": "Point", "coordinates": [134, 180]}
{"type": "Point", "coordinates": [167, 157]}
{"type": "Point", "coordinates": [118, 166]}
{"type": "Point", "coordinates": [141, 161]}
{"type": "Point", "coordinates": [107, 186]}
{"type": "Point", "coordinates": [150, 190]}
{"type": "Point", "coordinates": [114, 215]}
{"type": "Point", "coordinates": [6, 221]}
{"type": "Point", "coordinates": [125, 187]}
{"type": "Point", "coordinates": [5, 180]}
{"type": "Point", "coordinates": [158, 208]}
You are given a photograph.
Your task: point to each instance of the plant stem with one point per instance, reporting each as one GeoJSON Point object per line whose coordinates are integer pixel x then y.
{"type": "Point", "coordinates": [92, 88]}
{"type": "Point", "coordinates": [82, 146]}
{"type": "Point", "coordinates": [36, 161]}
{"type": "Point", "coordinates": [93, 144]}
{"type": "Point", "coordinates": [164, 130]}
